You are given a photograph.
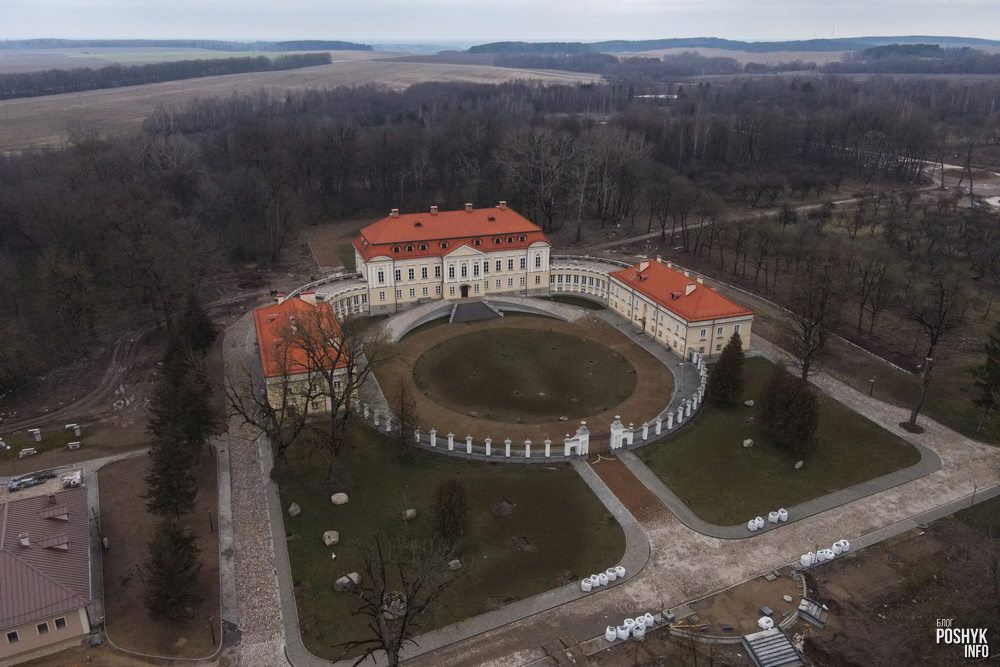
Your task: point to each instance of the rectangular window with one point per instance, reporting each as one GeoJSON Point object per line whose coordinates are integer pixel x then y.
{"type": "Point", "coordinates": [465, 270]}
{"type": "Point", "coordinates": [475, 269]}
{"type": "Point", "coordinates": [381, 296]}
{"type": "Point", "coordinates": [399, 294]}
{"type": "Point", "coordinates": [522, 281]}
{"type": "Point", "coordinates": [552, 279]}
{"type": "Point", "coordinates": [498, 284]}
{"type": "Point", "coordinates": [704, 332]}
{"type": "Point", "coordinates": [451, 291]}
{"type": "Point", "coordinates": [559, 279]}
{"type": "Point", "coordinates": [718, 347]}
{"type": "Point", "coordinates": [12, 638]}
{"type": "Point", "coordinates": [413, 292]}
{"type": "Point", "coordinates": [576, 280]}
{"type": "Point", "coordinates": [701, 350]}
{"type": "Point", "coordinates": [524, 263]}
{"type": "Point", "coordinates": [538, 280]}
{"type": "Point", "coordinates": [590, 281]}
{"type": "Point", "coordinates": [43, 628]}
{"type": "Point", "coordinates": [437, 271]}
{"type": "Point", "coordinates": [437, 289]}
{"type": "Point", "coordinates": [510, 264]}
{"type": "Point", "coordinates": [424, 291]}
{"type": "Point", "coordinates": [315, 405]}
{"type": "Point", "coordinates": [357, 300]}
{"type": "Point", "coordinates": [718, 332]}
{"type": "Point", "coordinates": [451, 271]}
{"type": "Point", "coordinates": [381, 276]}
{"type": "Point", "coordinates": [60, 624]}
{"type": "Point", "coordinates": [398, 274]}
{"type": "Point", "coordinates": [486, 266]}
{"type": "Point", "coordinates": [499, 267]}
{"type": "Point", "coordinates": [736, 328]}
{"type": "Point", "coordinates": [475, 288]}
{"type": "Point", "coordinates": [538, 261]}
{"type": "Point", "coordinates": [510, 282]}
{"type": "Point", "coordinates": [423, 272]}
{"type": "Point", "coordinates": [337, 385]}
{"type": "Point", "coordinates": [410, 274]}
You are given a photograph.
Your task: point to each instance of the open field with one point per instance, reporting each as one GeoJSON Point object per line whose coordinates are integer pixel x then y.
{"type": "Point", "coordinates": [45, 121]}
{"type": "Point", "coordinates": [726, 484]}
{"type": "Point", "coordinates": [551, 530]}
{"type": "Point", "coordinates": [744, 57]}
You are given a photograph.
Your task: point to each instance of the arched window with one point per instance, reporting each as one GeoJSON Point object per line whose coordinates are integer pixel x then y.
{"type": "Point", "coordinates": [538, 261]}
{"type": "Point", "coordinates": [395, 248]}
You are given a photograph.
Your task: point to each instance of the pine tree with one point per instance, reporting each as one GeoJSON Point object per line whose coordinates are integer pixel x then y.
{"type": "Point", "coordinates": [452, 511]}
{"type": "Point", "coordinates": [788, 412]}
{"type": "Point", "coordinates": [196, 331]}
{"type": "Point", "coordinates": [170, 484]}
{"type": "Point", "coordinates": [172, 573]}
{"type": "Point", "coordinates": [725, 382]}
{"type": "Point", "coordinates": [988, 380]}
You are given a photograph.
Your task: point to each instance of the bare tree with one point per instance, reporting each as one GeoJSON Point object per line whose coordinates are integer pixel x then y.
{"type": "Point", "coordinates": [815, 304]}
{"type": "Point", "coordinates": [400, 581]}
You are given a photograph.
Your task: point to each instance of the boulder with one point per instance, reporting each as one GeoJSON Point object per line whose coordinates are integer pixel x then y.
{"type": "Point", "coordinates": [748, 443]}
{"type": "Point", "coordinates": [347, 583]}
{"type": "Point", "coordinates": [454, 564]}
{"type": "Point", "coordinates": [786, 598]}
{"type": "Point", "coordinates": [339, 499]}
{"type": "Point", "coordinates": [331, 537]}
{"type": "Point", "coordinates": [294, 509]}
{"type": "Point", "coordinates": [409, 515]}
{"type": "Point", "coordinates": [798, 466]}
{"type": "Point", "coordinates": [748, 402]}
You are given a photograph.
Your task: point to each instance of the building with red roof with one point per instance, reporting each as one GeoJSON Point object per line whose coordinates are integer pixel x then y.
{"type": "Point", "coordinates": [677, 309]}
{"type": "Point", "coordinates": [300, 344]}
{"type": "Point", "coordinates": [44, 574]}
{"type": "Point", "coordinates": [412, 258]}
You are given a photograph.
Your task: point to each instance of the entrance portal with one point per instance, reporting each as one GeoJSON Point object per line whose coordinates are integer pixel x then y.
{"type": "Point", "coordinates": [465, 291]}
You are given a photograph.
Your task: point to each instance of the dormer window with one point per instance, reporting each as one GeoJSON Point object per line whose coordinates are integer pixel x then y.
{"type": "Point", "coordinates": [510, 239]}
{"type": "Point", "coordinates": [444, 244]}
{"type": "Point", "coordinates": [478, 242]}
{"type": "Point", "coordinates": [395, 248]}
{"type": "Point", "coordinates": [409, 248]}
{"type": "Point", "coordinates": [497, 240]}
{"type": "Point", "coordinates": [423, 246]}
{"type": "Point", "coordinates": [521, 238]}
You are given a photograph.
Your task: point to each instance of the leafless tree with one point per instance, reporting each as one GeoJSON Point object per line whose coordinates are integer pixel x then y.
{"type": "Point", "coordinates": [815, 304]}
{"type": "Point", "coordinates": [400, 581]}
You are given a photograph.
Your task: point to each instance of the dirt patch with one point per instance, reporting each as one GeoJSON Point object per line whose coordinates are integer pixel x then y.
{"type": "Point", "coordinates": [128, 527]}
{"type": "Point", "coordinates": [521, 543]}
{"type": "Point", "coordinates": [638, 499]}
{"type": "Point", "coordinates": [503, 508]}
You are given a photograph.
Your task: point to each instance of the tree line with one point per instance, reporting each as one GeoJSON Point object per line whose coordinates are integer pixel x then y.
{"type": "Point", "coordinates": [208, 44]}
{"type": "Point", "coordinates": [56, 81]}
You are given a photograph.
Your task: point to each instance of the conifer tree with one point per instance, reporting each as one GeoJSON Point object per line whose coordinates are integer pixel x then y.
{"type": "Point", "coordinates": [452, 511]}
{"type": "Point", "coordinates": [788, 412]}
{"type": "Point", "coordinates": [172, 573]}
{"type": "Point", "coordinates": [170, 484]}
{"type": "Point", "coordinates": [725, 381]}
{"type": "Point", "coordinates": [988, 380]}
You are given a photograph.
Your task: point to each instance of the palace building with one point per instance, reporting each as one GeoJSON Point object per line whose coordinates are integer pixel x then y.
{"type": "Point", "coordinates": [677, 309]}
{"type": "Point", "coordinates": [300, 342]}
{"type": "Point", "coordinates": [476, 252]}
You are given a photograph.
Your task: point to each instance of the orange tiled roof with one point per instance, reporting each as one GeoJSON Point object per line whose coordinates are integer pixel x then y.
{"type": "Point", "coordinates": [669, 288]}
{"type": "Point", "coordinates": [430, 230]}
{"type": "Point", "coordinates": [273, 326]}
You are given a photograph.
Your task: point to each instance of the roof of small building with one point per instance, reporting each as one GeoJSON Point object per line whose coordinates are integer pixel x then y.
{"type": "Point", "coordinates": [275, 338]}
{"type": "Point", "coordinates": [44, 556]}
{"type": "Point", "coordinates": [681, 294]}
{"type": "Point", "coordinates": [417, 235]}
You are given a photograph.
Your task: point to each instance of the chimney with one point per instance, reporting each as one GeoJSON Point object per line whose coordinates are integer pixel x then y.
{"type": "Point", "coordinates": [309, 297]}
{"type": "Point", "coordinates": [670, 264]}
{"type": "Point", "coordinates": [24, 540]}
{"type": "Point", "coordinates": [690, 288]}
{"type": "Point", "coordinates": [280, 298]}
{"type": "Point", "coordinates": [394, 213]}
{"type": "Point", "coordinates": [643, 265]}
{"type": "Point", "coordinates": [700, 280]}
{"type": "Point", "coordinates": [502, 205]}
{"type": "Point", "coordinates": [434, 210]}
{"type": "Point", "coordinates": [686, 274]}
{"type": "Point", "coordinates": [468, 207]}
{"type": "Point", "coordinates": [659, 258]}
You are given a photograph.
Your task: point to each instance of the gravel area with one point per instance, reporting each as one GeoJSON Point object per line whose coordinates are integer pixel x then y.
{"type": "Point", "coordinates": [262, 641]}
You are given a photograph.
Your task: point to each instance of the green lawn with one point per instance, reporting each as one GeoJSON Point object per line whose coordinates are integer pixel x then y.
{"type": "Point", "coordinates": [345, 252]}
{"type": "Point", "coordinates": [52, 438]}
{"type": "Point", "coordinates": [524, 375]}
{"type": "Point", "coordinates": [982, 517]}
{"type": "Point", "coordinates": [707, 466]}
{"type": "Point", "coordinates": [572, 533]}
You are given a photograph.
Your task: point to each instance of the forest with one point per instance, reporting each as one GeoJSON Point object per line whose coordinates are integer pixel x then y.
{"type": "Point", "coordinates": [108, 233]}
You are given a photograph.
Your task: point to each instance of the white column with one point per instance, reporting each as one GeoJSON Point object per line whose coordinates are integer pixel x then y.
{"type": "Point", "coordinates": [629, 433]}
{"type": "Point", "coordinates": [670, 420]}
{"type": "Point", "coordinates": [416, 434]}
{"type": "Point", "coordinates": [434, 437]}
{"type": "Point", "coordinates": [645, 430]}
{"type": "Point", "coordinates": [489, 442]}
{"type": "Point", "coordinates": [365, 409]}
{"type": "Point", "coordinates": [527, 449]}
{"type": "Point", "coordinates": [388, 423]}
{"type": "Point", "coordinates": [583, 438]}
{"type": "Point", "coordinates": [468, 444]}
{"type": "Point", "coordinates": [687, 408]}
{"type": "Point", "coordinates": [680, 414]}
{"type": "Point", "coordinates": [451, 442]}
{"type": "Point", "coordinates": [616, 433]}
{"type": "Point", "coordinates": [548, 447]}
{"type": "Point", "coordinates": [506, 447]}
{"type": "Point", "coordinates": [659, 425]}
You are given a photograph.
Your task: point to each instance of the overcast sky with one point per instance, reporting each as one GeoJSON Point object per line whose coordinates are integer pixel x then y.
{"type": "Point", "coordinates": [475, 21]}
